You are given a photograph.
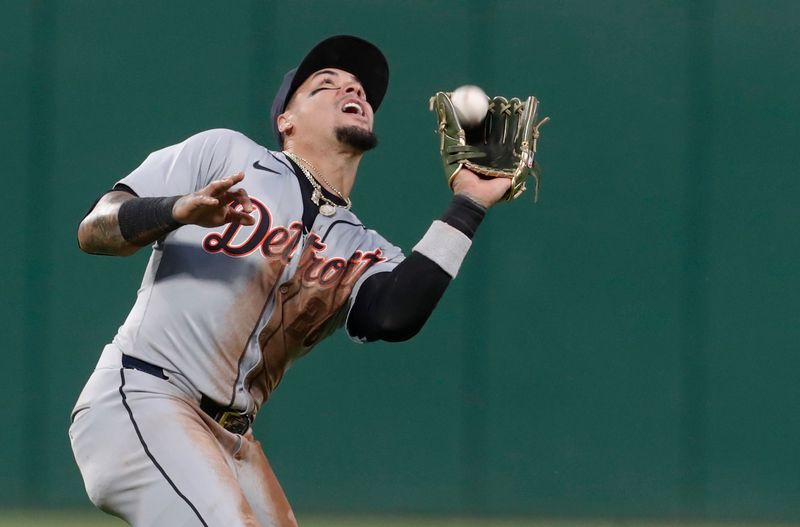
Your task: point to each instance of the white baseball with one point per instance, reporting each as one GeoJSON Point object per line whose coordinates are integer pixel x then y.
{"type": "Point", "coordinates": [471, 104]}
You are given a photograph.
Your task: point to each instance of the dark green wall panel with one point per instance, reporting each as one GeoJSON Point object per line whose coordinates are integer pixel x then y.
{"type": "Point", "coordinates": [582, 397]}
{"type": "Point", "coordinates": [15, 124]}
{"type": "Point", "coordinates": [754, 429]}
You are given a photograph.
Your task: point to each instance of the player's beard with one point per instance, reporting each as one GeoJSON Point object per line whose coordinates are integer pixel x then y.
{"type": "Point", "coordinates": [357, 137]}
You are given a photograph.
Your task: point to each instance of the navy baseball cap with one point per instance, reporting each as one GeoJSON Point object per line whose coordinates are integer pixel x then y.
{"type": "Point", "coordinates": [344, 52]}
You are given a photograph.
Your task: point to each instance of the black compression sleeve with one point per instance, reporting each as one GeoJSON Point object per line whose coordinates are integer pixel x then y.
{"type": "Point", "coordinates": [394, 306]}
{"type": "Point", "coordinates": [464, 214]}
{"type": "Point", "coordinates": [144, 220]}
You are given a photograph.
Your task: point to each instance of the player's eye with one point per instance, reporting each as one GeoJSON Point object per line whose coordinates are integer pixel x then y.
{"type": "Point", "coordinates": [326, 84]}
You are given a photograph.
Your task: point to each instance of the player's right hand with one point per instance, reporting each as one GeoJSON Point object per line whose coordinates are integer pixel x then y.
{"type": "Point", "coordinates": [216, 204]}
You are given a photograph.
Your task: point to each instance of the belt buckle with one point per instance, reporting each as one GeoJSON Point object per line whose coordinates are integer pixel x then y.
{"type": "Point", "coordinates": [235, 422]}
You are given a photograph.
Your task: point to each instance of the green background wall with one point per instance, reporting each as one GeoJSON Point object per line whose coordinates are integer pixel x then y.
{"type": "Point", "coordinates": [626, 347]}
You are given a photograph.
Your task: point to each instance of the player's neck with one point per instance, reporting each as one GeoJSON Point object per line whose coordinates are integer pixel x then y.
{"type": "Point", "coordinates": [337, 167]}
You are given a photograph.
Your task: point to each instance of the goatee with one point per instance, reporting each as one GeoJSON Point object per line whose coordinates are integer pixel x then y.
{"type": "Point", "coordinates": [356, 137]}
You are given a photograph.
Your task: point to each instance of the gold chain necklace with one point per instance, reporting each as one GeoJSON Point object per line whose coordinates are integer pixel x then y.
{"type": "Point", "coordinates": [328, 208]}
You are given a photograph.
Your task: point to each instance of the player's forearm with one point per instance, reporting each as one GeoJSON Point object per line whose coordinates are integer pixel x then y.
{"type": "Point", "coordinates": [99, 232]}
{"type": "Point", "coordinates": [121, 223]}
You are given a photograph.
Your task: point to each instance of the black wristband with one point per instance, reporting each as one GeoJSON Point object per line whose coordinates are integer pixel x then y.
{"type": "Point", "coordinates": [464, 214]}
{"type": "Point", "coordinates": [144, 220]}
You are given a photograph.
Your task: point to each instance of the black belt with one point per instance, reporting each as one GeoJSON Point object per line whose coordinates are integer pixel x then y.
{"type": "Point", "coordinates": [230, 419]}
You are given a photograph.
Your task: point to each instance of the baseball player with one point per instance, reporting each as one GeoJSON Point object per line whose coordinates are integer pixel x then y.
{"type": "Point", "coordinates": [256, 256]}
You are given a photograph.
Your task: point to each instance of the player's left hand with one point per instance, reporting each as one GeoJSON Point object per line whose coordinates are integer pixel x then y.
{"type": "Point", "coordinates": [484, 191]}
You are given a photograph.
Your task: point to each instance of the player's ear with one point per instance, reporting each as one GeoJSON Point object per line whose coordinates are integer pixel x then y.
{"type": "Point", "coordinates": [285, 123]}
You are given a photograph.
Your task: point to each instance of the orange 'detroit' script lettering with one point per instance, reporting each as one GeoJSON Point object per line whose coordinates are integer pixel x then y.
{"type": "Point", "coordinates": [281, 242]}
{"type": "Point", "coordinates": [315, 269]}
{"type": "Point", "coordinates": [278, 241]}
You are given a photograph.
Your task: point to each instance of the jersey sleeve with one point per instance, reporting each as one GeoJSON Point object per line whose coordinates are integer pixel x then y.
{"type": "Point", "coordinates": [391, 256]}
{"type": "Point", "coordinates": [185, 167]}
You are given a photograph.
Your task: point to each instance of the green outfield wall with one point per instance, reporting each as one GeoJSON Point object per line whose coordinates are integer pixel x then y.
{"type": "Point", "coordinates": [626, 347]}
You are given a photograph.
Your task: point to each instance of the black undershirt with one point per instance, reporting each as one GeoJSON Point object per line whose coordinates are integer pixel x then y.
{"type": "Point", "coordinates": [310, 209]}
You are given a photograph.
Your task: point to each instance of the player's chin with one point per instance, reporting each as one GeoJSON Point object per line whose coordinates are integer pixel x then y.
{"type": "Point", "coordinates": [357, 137]}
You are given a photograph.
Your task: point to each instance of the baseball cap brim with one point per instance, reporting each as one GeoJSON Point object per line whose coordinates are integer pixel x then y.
{"type": "Point", "coordinates": [345, 52]}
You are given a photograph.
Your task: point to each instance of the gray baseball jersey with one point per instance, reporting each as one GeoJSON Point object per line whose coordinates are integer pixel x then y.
{"type": "Point", "coordinates": [227, 310]}
{"type": "Point", "coordinates": [224, 312]}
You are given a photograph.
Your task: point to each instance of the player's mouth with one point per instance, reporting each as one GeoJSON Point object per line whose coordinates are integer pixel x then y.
{"type": "Point", "coordinates": [354, 107]}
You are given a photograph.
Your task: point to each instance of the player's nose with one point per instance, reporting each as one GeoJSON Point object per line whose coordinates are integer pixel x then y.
{"type": "Point", "coordinates": [355, 88]}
